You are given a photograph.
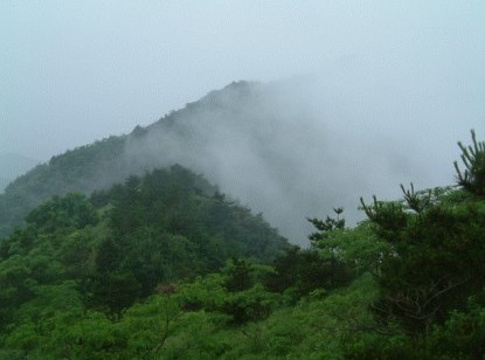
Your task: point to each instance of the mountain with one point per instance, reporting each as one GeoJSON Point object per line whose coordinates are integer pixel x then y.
{"type": "Point", "coordinates": [12, 166]}
{"type": "Point", "coordinates": [227, 131]}
{"type": "Point", "coordinates": [270, 145]}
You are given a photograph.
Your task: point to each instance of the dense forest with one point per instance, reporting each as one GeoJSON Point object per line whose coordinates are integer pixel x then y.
{"type": "Point", "coordinates": [164, 266]}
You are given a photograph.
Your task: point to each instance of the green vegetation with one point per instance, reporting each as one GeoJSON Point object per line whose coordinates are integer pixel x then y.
{"type": "Point", "coordinates": [165, 267]}
{"type": "Point", "coordinates": [100, 165]}
{"type": "Point", "coordinates": [84, 170]}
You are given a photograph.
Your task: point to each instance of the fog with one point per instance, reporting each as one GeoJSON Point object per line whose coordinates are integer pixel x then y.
{"type": "Point", "coordinates": [355, 98]}
{"type": "Point", "coordinates": [291, 150]}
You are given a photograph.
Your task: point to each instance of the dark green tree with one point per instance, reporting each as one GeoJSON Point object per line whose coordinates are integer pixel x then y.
{"type": "Point", "coordinates": [473, 157]}
{"type": "Point", "coordinates": [437, 248]}
{"type": "Point", "coordinates": [238, 276]}
{"type": "Point", "coordinates": [72, 210]}
{"type": "Point", "coordinates": [324, 242]}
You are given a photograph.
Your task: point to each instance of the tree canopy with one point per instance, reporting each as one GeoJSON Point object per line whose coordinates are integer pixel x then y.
{"type": "Point", "coordinates": [165, 266]}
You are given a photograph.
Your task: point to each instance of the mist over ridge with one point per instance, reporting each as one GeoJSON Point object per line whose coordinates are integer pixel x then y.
{"type": "Point", "coordinates": [291, 150]}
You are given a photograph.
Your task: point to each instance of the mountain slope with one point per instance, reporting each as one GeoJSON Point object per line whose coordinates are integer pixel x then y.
{"type": "Point", "coordinates": [268, 145]}
{"type": "Point", "coordinates": [84, 169]}
{"type": "Point", "coordinates": [178, 137]}
{"type": "Point", "coordinates": [168, 225]}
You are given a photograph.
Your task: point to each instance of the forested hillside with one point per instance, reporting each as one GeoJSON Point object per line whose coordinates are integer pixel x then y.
{"type": "Point", "coordinates": [84, 169]}
{"type": "Point", "coordinates": [271, 145]}
{"type": "Point", "coordinates": [196, 137]}
{"type": "Point", "coordinates": [163, 266]}
{"type": "Point", "coordinates": [99, 165]}
{"type": "Point", "coordinates": [120, 245]}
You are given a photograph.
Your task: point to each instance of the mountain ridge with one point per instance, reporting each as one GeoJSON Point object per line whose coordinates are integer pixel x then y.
{"type": "Point", "coordinates": [279, 147]}
{"type": "Point", "coordinates": [86, 168]}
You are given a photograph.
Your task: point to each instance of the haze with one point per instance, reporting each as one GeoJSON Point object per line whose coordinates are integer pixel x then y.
{"type": "Point", "coordinates": [388, 87]}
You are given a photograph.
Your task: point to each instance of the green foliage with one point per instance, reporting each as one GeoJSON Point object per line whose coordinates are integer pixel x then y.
{"type": "Point", "coordinates": [72, 279]}
{"type": "Point", "coordinates": [114, 292]}
{"type": "Point", "coordinates": [360, 249]}
{"type": "Point", "coordinates": [461, 337]}
{"type": "Point", "coordinates": [80, 170]}
{"type": "Point", "coordinates": [463, 334]}
{"type": "Point", "coordinates": [434, 264]}
{"type": "Point", "coordinates": [254, 304]}
{"type": "Point", "coordinates": [206, 292]}
{"type": "Point", "coordinates": [473, 157]}
{"type": "Point", "coordinates": [321, 267]}
{"type": "Point", "coordinates": [238, 273]}
{"type": "Point", "coordinates": [430, 275]}
{"type": "Point", "coordinates": [298, 272]}
{"type": "Point", "coordinates": [161, 267]}
{"type": "Point", "coordinates": [337, 255]}
{"type": "Point", "coordinates": [163, 227]}
{"type": "Point", "coordinates": [72, 210]}
{"type": "Point", "coordinates": [326, 227]}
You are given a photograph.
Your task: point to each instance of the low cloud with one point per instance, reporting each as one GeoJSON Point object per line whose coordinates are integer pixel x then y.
{"type": "Point", "coordinates": [296, 148]}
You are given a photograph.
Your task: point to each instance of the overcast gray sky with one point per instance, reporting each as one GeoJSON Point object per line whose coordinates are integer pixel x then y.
{"type": "Point", "coordinates": [72, 72]}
